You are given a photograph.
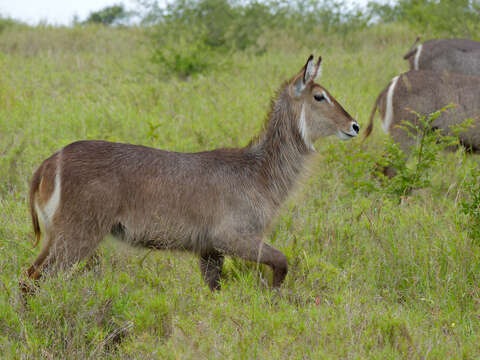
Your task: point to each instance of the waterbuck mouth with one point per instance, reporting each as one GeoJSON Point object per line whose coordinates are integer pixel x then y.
{"type": "Point", "coordinates": [346, 136]}
{"type": "Point", "coordinates": [354, 130]}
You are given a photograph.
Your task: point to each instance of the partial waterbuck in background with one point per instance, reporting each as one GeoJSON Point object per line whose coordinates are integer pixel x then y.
{"type": "Point", "coordinates": [212, 203]}
{"type": "Point", "coordinates": [454, 55]}
{"type": "Point", "coordinates": [426, 92]}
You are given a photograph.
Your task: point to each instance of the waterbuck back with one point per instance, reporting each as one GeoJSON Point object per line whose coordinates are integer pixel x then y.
{"type": "Point", "coordinates": [425, 92]}
{"type": "Point", "coordinates": [211, 203]}
{"type": "Point", "coordinates": [454, 55]}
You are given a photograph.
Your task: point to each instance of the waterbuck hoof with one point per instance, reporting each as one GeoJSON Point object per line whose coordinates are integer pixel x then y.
{"type": "Point", "coordinates": [27, 288]}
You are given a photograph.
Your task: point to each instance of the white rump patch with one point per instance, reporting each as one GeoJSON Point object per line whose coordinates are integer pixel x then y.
{"type": "Point", "coordinates": [326, 97]}
{"type": "Point", "coordinates": [52, 204]}
{"type": "Point", "coordinates": [387, 121]}
{"type": "Point", "coordinates": [417, 57]}
{"type": "Point", "coordinates": [302, 128]}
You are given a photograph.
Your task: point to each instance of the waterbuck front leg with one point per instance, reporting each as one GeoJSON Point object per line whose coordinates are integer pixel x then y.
{"type": "Point", "coordinates": [211, 264]}
{"type": "Point", "coordinates": [258, 251]}
{"type": "Point", "coordinates": [276, 260]}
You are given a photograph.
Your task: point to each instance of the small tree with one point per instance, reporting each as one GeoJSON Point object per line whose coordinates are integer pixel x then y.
{"type": "Point", "coordinates": [108, 15]}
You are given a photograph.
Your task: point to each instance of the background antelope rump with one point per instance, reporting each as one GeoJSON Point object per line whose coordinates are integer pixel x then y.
{"type": "Point", "coordinates": [425, 92]}
{"type": "Point", "coordinates": [443, 73]}
{"type": "Point", "coordinates": [452, 55]}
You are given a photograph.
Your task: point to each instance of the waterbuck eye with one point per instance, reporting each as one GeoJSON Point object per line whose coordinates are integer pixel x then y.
{"type": "Point", "coordinates": [319, 97]}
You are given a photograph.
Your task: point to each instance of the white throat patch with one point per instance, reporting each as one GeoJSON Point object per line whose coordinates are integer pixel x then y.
{"type": "Point", "coordinates": [302, 128]}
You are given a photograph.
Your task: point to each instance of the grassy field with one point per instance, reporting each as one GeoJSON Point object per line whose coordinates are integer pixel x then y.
{"type": "Point", "coordinates": [369, 277]}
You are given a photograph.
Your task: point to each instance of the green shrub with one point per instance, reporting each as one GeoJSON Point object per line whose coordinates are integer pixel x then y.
{"type": "Point", "coordinates": [429, 142]}
{"type": "Point", "coordinates": [6, 23]}
{"type": "Point", "coordinates": [108, 15]}
{"type": "Point", "coordinates": [183, 54]}
{"type": "Point", "coordinates": [188, 34]}
{"type": "Point", "coordinates": [412, 171]}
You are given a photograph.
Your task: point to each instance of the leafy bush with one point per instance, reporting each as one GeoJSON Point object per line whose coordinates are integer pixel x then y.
{"type": "Point", "coordinates": [185, 56]}
{"type": "Point", "coordinates": [409, 174]}
{"type": "Point", "coordinates": [428, 143]}
{"type": "Point", "coordinates": [188, 33]}
{"type": "Point", "coordinates": [108, 15]}
{"type": "Point", "coordinates": [183, 53]}
{"type": "Point", "coordinates": [6, 23]}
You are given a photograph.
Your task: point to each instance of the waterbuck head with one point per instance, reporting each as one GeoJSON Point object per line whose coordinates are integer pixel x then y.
{"type": "Point", "coordinates": [321, 115]}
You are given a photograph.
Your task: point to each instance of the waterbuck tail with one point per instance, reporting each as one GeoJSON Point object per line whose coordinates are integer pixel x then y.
{"type": "Point", "coordinates": [413, 49]}
{"type": "Point", "coordinates": [369, 128]}
{"type": "Point", "coordinates": [34, 185]}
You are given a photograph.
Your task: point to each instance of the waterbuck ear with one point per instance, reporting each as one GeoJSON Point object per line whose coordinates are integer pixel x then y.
{"type": "Point", "coordinates": [304, 77]}
{"type": "Point", "coordinates": [318, 69]}
{"type": "Point", "coordinates": [309, 72]}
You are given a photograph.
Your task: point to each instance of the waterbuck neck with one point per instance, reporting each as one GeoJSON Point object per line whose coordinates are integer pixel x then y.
{"type": "Point", "coordinates": [280, 147]}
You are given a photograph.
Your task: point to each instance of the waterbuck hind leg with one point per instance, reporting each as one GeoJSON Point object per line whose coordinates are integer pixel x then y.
{"type": "Point", "coordinates": [33, 272]}
{"type": "Point", "coordinates": [211, 264]}
{"type": "Point", "coordinates": [65, 246]}
{"type": "Point", "coordinates": [66, 252]}
{"type": "Point", "coordinates": [260, 252]}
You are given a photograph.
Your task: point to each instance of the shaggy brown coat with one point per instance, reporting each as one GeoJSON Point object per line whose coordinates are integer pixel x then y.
{"type": "Point", "coordinates": [211, 203]}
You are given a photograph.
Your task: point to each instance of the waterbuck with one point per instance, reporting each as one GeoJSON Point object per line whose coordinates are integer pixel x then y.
{"type": "Point", "coordinates": [454, 55]}
{"type": "Point", "coordinates": [211, 203]}
{"type": "Point", "coordinates": [426, 92]}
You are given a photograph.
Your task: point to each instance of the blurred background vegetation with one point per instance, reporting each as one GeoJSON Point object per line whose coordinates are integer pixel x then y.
{"type": "Point", "coordinates": [190, 36]}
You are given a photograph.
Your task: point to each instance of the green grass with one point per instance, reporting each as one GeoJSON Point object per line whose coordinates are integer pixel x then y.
{"type": "Point", "coordinates": [370, 278]}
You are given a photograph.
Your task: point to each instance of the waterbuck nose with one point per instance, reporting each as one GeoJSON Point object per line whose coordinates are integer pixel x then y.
{"type": "Point", "coordinates": [355, 127]}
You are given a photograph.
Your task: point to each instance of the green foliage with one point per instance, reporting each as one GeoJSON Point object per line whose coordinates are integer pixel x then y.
{"type": "Point", "coordinates": [184, 54]}
{"type": "Point", "coordinates": [192, 36]}
{"type": "Point", "coordinates": [470, 206]}
{"type": "Point", "coordinates": [6, 23]}
{"type": "Point", "coordinates": [108, 15]}
{"type": "Point", "coordinates": [460, 18]}
{"type": "Point", "coordinates": [412, 171]}
{"type": "Point", "coordinates": [207, 28]}
{"type": "Point", "coordinates": [429, 143]}
{"type": "Point", "coordinates": [383, 12]}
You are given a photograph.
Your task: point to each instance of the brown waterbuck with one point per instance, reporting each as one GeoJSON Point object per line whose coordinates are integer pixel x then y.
{"type": "Point", "coordinates": [454, 55]}
{"type": "Point", "coordinates": [211, 203]}
{"type": "Point", "coordinates": [426, 92]}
